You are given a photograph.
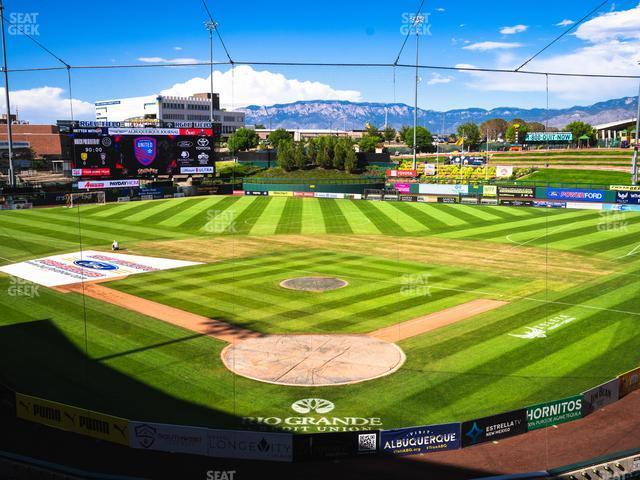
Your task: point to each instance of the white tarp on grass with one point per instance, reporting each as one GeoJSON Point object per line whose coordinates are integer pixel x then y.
{"type": "Point", "coordinates": [87, 266]}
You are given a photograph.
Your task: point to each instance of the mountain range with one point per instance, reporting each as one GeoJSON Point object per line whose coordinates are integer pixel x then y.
{"type": "Point", "coordinates": [339, 114]}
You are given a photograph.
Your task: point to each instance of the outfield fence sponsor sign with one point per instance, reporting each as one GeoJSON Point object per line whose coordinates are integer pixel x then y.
{"type": "Point", "coordinates": [629, 381]}
{"type": "Point", "coordinates": [322, 446]}
{"type": "Point", "coordinates": [402, 187]}
{"type": "Point", "coordinates": [275, 447]}
{"type": "Point", "coordinates": [543, 204]}
{"type": "Point", "coordinates": [168, 438]}
{"type": "Point", "coordinates": [72, 419]}
{"type": "Point", "coordinates": [517, 203]}
{"type": "Point", "coordinates": [628, 197]}
{"type": "Point", "coordinates": [628, 188]}
{"type": "Point", "coordinates": [278, 193]}
{"type": "Point", "coordinates": [411, 441]}
{"type": "Point", "coordinates": [443, 189]}
{"type": "Point", "coordinates": [101, 184]}
{"type": "Point", "coordinates": [210, 442]}
{"type": "Point", "coordinates": [89, 265]}
{"type": "Point", "coordinates": [600, 396]}
{"type": "Point", "coordinates": [553, 413]}
{"type": "Point", "coordinates": [260, 193]}
{"type": "Point", "coordinates": [495, 427]}
{"type": "Point", "coordinates": [576, 195]}
{"type": "Point", "coordinates": [328, 195]}
{"type": "Point", "coordinates": [517, 192]}
{"type": "Point", "coordinates": [585, 206]}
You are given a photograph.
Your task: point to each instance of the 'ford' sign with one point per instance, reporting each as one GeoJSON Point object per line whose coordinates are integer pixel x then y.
{"type": "Point", "coordinates": [575, 195]}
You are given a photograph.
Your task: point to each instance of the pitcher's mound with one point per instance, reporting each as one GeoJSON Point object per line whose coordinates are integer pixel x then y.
{"type": "Point", "coordinates": [314, 284]}
{"type": "Point", "coordinates": [313, 360]}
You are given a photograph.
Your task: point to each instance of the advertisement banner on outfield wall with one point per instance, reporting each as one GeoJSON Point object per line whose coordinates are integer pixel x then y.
{"type": "Point", "coordinates": [629, 381]}
{"type": "Point", "coordinates": [437, 189]}
{"type": "Point", "coordinates": [600, 396]}
{"type": "Point", "coordinates": [402, 187]}
{"type": "Point", "coordinates": [495, 427]}
{"type": "Point", "coordinates": [427, 199]}
{"type": "Point", "coordinates": [275, 447]}
{"type": "Point", "coordinates": [101, 184]}
{"type": "Point", "coordinates": [212, 443]}
{"type": "Point", "coordinates": [259, 194]}
{"type": "Point", "coordinates": [543, 204]}
{"type": "Point", "coordinates": [277, 193]}
{"type": "Point", "coordinates": [490, 190]}
{"type": "Point", "coordinates": [73, 419]}
{"type": "Point", "coordinates": [517, 203]}
{"type": "Point", "coordinates": [554, 413]}
{"type": "Point", "coordinates": [576, 195]}
{"type": "Point", "coordinates": [628, 197]}
{"type": "Point", "coordinates": [322, 446]}
{"type": "Point", "coordinates": [168, 438]}
{"type": "Point", "coordinates": [411, 441]}
{"type": "Point", "coordinates": [629, 188]}
{"type": "Point", "coordinates": [328, 195]}
{"type": "Point", "coordinates": [585, 206]}
{"type": "Point", "coordinates": [517, 192]}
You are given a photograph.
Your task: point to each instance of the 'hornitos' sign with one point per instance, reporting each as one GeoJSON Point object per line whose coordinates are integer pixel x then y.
{"type": "Point", "coordinates": [549, 137]}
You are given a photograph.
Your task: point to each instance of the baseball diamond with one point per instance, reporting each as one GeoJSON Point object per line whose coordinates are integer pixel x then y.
{"type": "Point", "coordinates": [400, 314]}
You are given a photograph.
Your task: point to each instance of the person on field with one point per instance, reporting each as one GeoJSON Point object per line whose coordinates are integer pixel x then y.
{"type": "Point", "coordinates": [115, 245]}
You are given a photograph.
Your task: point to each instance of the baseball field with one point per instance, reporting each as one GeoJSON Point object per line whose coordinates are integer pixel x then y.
{"type": "Point", "coordinates": [492, 308]}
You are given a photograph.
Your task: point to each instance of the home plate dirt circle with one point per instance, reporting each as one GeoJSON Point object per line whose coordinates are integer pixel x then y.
{"type": "Point", "coordinates": [314, 284]}
{"type": "Point", "coordinates": [313, 360]}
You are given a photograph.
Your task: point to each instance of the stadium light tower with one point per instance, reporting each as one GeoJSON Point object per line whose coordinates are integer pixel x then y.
{"type": "Point", "coordinates": [635, 147]}
{"type": "Point", "coordinates": [211, 26]}
{"type": "Point", "coordinates": [417, 21]}
{"type": "Point", "coordinates": [12, 175]}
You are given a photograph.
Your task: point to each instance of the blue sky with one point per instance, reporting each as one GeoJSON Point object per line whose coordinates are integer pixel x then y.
{"type": "Point", "coordinates": [483, 34]}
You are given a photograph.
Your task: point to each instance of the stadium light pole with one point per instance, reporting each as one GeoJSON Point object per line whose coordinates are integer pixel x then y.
{"type": "Point", "coordinates": [211, 26]}
{"type": "Point", "coordinates": [12, 175]}
{"type": "Point", "coordinates": [417, 22]}
{"type": "Point", "coordinates": [635, 147]}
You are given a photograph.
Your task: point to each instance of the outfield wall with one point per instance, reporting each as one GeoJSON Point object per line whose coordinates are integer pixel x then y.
{"type": "Point", "coordinates": [288, 447]}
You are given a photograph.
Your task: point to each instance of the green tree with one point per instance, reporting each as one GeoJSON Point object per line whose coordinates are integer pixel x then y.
{"type": "Point", "coordinates": [580, 129]}
{"type": "Point", "coordinates": [424, 139]}
{"type": "Point", "coordinates": [243, 139]}
{"type": "Point", "coordinates": [286, 155]}
{"type": "Point", "coordinates": [300, 158]}
{"type": "Point", "coordinates": [351, 160]}
{"type": "Point", "coordinates": [389, 134]}
{"type": "Point", "coordinates": [339, 155]}
{"type": "Point", "coordinates": [312, 151]}
{"type": "Point", "coordinates": [493, 129]}
{"type": "Point", "coordinates": [279, 135]}
{"type": "Point", "coordinates": [403, 133]}
{"type": "Point", "coordinates": [371, 130]}
{"type": "Point", "coordinates": [368, 143]}
{"type": "Point", "coordinates": [536, 127]}
{"type": "Point", "coordinates": [470, 133]}
{"type": "Point", "coordinates": [521, 128]}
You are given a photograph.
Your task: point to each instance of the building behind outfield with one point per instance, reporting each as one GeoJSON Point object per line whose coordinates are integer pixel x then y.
{"type": "Point", "coordinates": [169, 109]}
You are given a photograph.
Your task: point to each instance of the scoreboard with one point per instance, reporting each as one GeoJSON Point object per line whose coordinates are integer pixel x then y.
{"type": "Point", "coordinates": [141, 151]}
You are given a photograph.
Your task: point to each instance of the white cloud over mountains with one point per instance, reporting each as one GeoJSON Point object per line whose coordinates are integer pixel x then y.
{"type": "Point", "coordinates": [253, 87]}
{"type": "Point", "coordinates": [513, 30]}
{"type": "Point", "coordinates": [488, 46]}
{"type": "Point", "coordinates": [46, 105]}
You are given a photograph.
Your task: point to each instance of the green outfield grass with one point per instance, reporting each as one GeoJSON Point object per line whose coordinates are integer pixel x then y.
{"type": "Point", "coordinates": [545, 263]}
{"type": "Point", "coordinates": [599, 177]}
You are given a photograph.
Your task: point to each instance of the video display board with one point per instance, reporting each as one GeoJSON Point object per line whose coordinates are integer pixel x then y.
{"type": "Point", "coordinates": [141, 151]}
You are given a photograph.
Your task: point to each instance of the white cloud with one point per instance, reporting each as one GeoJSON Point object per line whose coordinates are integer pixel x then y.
{"type": "Point", "coordinates": [513, 30]}
{"type": "Point", "coordinates": [177, 48]}
{"type": "Point", "coordinates": [436, 79]}
{"type": "Point", "coordinates": [169, 60]}
{"type": "Point", "coordinates": [440, 9]}
{"type": "Point", "coordinates": [46, 105]}
{"type": "Point", "coordinates": [611, 26]}
{"type": "Point", "coordinates": [253, 87]}
{"type": "Point", "coordinates": [487, 46]}
{"type": "Point", "coordinates": [565, 23]}
{"type": "Point", "coordinates": [611, 45]}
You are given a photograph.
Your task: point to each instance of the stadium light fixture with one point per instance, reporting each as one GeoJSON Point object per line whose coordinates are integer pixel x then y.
{"type": "Point", "coordinates": [211, 26]}
{"type": "Point", "coordinates": [417, 21]}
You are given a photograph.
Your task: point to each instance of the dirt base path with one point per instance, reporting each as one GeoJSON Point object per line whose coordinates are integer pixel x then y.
{"type": "Point", "coordinates": [433, 321]}
{"type": "Point", "coordinates": [197, 323]}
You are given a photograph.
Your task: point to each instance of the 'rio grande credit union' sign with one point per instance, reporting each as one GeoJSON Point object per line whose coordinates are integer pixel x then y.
{"type": "Point", "coordinates": [549, 137]}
